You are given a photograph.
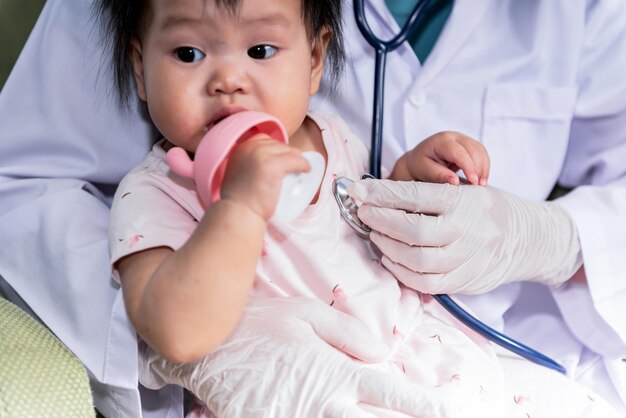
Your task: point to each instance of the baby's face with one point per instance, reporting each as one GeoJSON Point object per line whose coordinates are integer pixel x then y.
{"type": "Point", "coordinates": [197, 63]}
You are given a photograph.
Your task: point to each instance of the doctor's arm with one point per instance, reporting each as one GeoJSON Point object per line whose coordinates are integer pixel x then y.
{"type": "Point", "coordinates": [594, 305]}
{"type": "Point", "coordinates": [284, 367]}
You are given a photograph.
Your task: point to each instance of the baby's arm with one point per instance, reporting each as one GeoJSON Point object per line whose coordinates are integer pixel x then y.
{"type": "Point", "coordinates": [438, 157]}
{"type": "Point", "coordinates": [186, 302]}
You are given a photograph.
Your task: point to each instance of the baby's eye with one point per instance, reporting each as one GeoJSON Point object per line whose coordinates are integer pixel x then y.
{"type": "Point", "coordinates": [260, 52]}
{"type": "Point", "coordinates": [188, 54]}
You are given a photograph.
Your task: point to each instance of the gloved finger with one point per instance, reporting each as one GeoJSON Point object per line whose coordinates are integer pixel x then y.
{"type": "Point", "coordinates": [430, 283]}
{"type": "Point", "coordinates": [464, 281]}
{"type": "Point", "coordinates": [344, 332]}
{"type": "Point", "coordinates": [410, 228]}
{"type": "Point", "coordinates": [394, 393]}
{"type": "Point", "coordinates": [468, 279]}
{"type": "Point", "coordinates": [418, 258]}
{"type": "Point", "coordinates": [345, 409]}
{"type": "Point", "coordinates": [459, 281]}
{"type": "Point", "coordinates": [410, 196]}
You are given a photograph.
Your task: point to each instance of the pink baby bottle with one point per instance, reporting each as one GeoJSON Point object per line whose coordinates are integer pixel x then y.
{"type": "Point", "coordinates": [208, 167]}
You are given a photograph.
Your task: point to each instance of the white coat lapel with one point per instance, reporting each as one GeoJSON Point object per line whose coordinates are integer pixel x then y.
{"type": "Point", "coordinates": [465, 16]}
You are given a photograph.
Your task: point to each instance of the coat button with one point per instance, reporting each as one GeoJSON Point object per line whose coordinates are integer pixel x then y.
{"type": "Point", "coordinates": [417, 98]}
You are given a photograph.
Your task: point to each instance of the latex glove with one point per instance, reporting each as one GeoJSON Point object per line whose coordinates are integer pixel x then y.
{"type": "Point", "coordinates": [440, 238]}
{"type": "Point", "coordinates": [278, 363]}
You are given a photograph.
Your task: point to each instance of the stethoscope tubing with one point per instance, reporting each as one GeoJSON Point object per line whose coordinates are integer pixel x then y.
{"type": "Point", "coordinates": [495, 336]}
{"type": "Point", "coordinates": [382, 47]}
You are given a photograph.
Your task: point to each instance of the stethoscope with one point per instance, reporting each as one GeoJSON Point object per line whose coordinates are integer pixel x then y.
{"type": "Point", "coordinates": [349, 208]}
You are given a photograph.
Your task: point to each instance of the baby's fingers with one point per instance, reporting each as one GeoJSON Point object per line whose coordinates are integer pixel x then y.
{"type": "Point", "coordinates": [455, 155]}
{"type": "Point", "coordinates": [480, 157]}
{"type": "Point", "coordinates": [434, 171]}
{"type": "Point", "coordinates": [277, 157]}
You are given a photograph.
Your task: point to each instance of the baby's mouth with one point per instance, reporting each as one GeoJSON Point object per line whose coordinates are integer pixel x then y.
{"type": "Point", "coordinates": [222, 114]}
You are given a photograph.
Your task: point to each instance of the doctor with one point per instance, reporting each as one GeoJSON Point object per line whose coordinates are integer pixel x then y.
{"type": "Point", "coordinates": [540, 83]}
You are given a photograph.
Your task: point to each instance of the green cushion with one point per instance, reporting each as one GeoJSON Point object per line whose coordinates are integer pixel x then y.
{"type": "Point", "coordinates": [39, 376]}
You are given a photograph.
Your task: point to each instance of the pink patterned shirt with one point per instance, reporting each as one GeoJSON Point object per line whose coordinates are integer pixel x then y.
{"type": "Point", "coordinates": [318, 255]}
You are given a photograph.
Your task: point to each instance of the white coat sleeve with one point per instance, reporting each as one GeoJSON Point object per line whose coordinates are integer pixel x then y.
{"type": "Point", "coordinates": [595, 162]}
{"type": "Point", "coordinates": [63, 148]}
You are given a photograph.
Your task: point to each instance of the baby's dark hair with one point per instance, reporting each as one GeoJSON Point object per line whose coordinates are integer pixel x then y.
{"type": "Point", "coordinates": [122, 22]}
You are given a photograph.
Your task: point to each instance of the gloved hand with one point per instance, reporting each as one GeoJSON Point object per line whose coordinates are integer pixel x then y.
{"type": "Point", "coordinates": [439, 238]}
{"type": "Point", "coordinates": [278, 363]}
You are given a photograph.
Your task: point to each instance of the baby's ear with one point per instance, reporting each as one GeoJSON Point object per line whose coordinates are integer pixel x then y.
{"type": "Point", "coordinates": [137, 60]}
{"type": "Point", "coordinates": [318, 54]}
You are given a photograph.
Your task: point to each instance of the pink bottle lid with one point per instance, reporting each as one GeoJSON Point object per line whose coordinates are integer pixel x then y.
{"type": "Point", "coordinates": [211, 158]}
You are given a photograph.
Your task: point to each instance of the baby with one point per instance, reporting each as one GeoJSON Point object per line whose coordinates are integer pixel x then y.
{"type": "Point", "coordinates": [187, 273]}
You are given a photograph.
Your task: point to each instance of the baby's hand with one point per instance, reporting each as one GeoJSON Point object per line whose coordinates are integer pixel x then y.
{"type": "Point", "coordinates": [438, 157]}
{"type": "Point", "coordinates": [254, 172]}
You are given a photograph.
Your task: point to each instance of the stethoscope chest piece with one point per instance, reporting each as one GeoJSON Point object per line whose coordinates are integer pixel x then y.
{"type": "Point", "coordinates": [349, 207]}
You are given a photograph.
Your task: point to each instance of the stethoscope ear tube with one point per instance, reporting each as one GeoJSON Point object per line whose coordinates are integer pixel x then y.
{"type": "Point", "coordinates": [382, 47]}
